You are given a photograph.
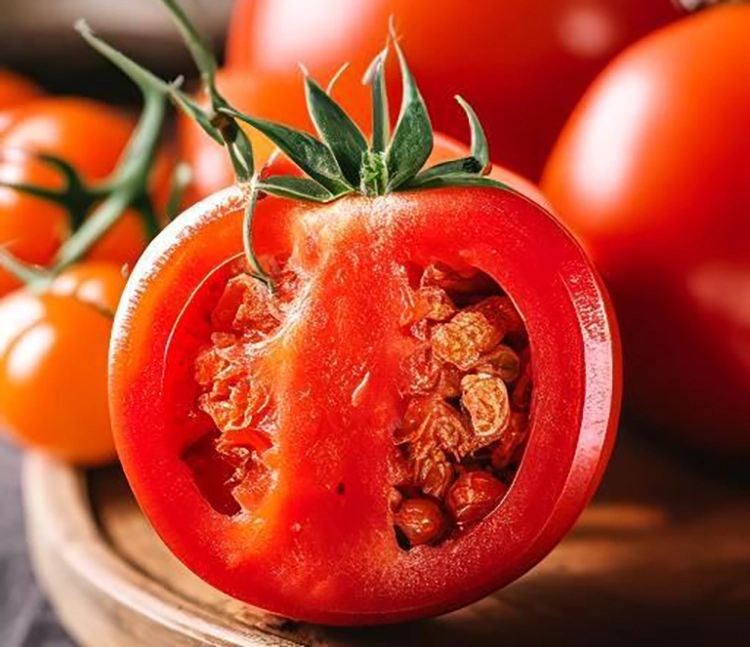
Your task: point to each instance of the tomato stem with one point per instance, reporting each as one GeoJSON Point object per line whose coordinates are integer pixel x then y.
{"type": "Point", "coordinates": [374, 174]}
{"type": "Point", "coordinates": [31, 277]}
{"type": "Point", "coordinates": [257, 272]}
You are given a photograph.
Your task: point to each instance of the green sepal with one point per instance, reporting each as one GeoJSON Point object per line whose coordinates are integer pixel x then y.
{"type": "Point", "coordinates": [337, 130]}
{"type": "Point", "coordinates": [456, 180]}
{"type": "Point", "coordinates": [412, 141]}
{"type": "Point", "coordinates": [296, 188]}
{"type": "Point", "coordinates": [181, 178]}
{"type": "Point", "coordinates": [464, 165]}
{"type": "Point", "coordinates": [480, 149]}
{"type": "Point", "coordinates": [381, 120]}
{"type": "Point", "coordinates": [311, 155]}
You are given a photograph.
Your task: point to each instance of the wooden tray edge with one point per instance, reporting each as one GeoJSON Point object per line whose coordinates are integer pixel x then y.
{"type": "Point", "coordinates": [99, 598]}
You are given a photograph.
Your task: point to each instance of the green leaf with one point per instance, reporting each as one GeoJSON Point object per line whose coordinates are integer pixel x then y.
{"type": "Point", "coordinates": [470, 165]}
{"type": "Point", "coordinates": [337, 130]}
{"type": "Point", "coordinates": [412, 140]}
{"type": "Point", "coordinates": [381, 126]}
{"type": "Point", "coordinates": [457, 180]}
{"type": "Point", "coordinates": [479, 147]}
{"type": "Point", "coordinates": [296, 188]}
{"type": "Point", "coordinates": [310, 154]}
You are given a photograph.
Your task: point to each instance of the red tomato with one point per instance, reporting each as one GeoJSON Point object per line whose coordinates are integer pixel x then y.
{"type": "Point", "coordinates": [304, 452]}
{"type": "Point", "coordinates": [213, 171]}
{"type": "Point", "coordinates": [521, 64]}
{"type": "Point", "coordinates": [89, 135]}
{"type": "Point", "coordinates": [653, 174]}
{"type": "Point", "coordinates": [53, 364]}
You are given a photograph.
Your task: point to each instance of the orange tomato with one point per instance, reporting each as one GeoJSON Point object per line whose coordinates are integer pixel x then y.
{"type": "Point", "coordinates": [89, 135]}
{"type": "Point", "coordinates": [53, 364]}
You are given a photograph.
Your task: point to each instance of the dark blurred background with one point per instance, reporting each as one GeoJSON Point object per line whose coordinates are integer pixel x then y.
{"type": "Point", "coordinates": [35, 32]}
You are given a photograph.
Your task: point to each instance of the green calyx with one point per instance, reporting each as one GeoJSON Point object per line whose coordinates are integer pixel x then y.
{"type": "Point", "coordinates": [338, 160]}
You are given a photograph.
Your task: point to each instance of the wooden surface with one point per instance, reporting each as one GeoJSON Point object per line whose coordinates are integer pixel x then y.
{"type": "Point", "coordinates": [662, 553]}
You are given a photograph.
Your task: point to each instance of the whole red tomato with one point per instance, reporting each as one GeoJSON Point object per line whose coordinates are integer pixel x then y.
{"type": "Point", "coordinates": [53, 364]}
{"type": "Point", "coordinates": [413, 419]}
{"type": "Point", "coordinates": [653, 174]}
{"type": "Point", "coordinates": [90, 136]}
{"type": "Point", "coordinates": [521, 64]}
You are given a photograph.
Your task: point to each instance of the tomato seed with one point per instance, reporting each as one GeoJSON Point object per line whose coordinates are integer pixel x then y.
{"type": "Point", "coordinates": [473, 496]}
{"type": "Point", "coordinates": [421, 521]}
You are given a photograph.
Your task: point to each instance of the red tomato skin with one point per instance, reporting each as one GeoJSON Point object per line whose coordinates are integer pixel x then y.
{"type": "Point", "coordinates": [522, 65]}
{"type": "Point", "coordinates": [354, 572]}
{"type": "Point", "coordinates": [652, 175]}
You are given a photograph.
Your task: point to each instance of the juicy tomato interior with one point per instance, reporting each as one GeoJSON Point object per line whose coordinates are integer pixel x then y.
{"type": "Point", "coordinates": [462, 392]}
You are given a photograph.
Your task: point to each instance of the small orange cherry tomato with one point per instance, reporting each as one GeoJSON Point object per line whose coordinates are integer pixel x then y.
{"type": "Point", "coordinates": [91, 137]}
{"type": "Point", "coordinates": [53, 364]}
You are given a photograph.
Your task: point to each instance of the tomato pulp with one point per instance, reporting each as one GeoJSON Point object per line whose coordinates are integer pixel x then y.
{"type": "Point", "coordinates": [301, 452]}
{"type": "Point", "coordinates": [652, 174]}
{"type": "Point", "coordinates": [522, 65]}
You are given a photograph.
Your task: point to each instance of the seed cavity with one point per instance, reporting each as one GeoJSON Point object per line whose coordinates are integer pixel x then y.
{"type": "Point", "coordinates": [228, 462]}
{"type": "Point", "coordinates": [466, 388]}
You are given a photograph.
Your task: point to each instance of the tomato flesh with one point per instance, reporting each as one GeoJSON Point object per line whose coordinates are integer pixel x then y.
{"type": "Point", "coordinates": [454, 407]}
{"type": "Point", "coordinates": [296, 513]}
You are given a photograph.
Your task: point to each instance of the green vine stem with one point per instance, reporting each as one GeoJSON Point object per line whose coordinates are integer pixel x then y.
{"type": "Point", "coordinates": [94, 209]}
{"type": "Point", "coordinates": [221, 127]}
{"type": "Point", "coordinates": [128, 185]}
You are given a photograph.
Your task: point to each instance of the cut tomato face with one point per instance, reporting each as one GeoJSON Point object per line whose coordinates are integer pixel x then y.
{"type": "Point", "coordinates": [412, 418]}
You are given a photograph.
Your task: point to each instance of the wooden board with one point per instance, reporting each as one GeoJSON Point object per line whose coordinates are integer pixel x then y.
{"type": "Point", "coordinates": [663, 550]}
